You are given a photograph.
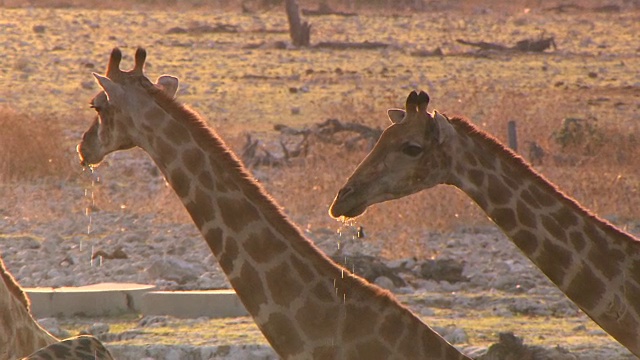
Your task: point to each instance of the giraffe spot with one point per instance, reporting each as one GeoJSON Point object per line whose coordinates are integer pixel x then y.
{"type": "Point", "coordinates": [529, 199]}
{"type": "Point", "coordinates": [470, 158]}
{"type": "Point", "coordinates": [249, 288]}
{"type": "Point", "coordinates": [228, 255]}
{"type": "Point", "coordinates": [166, 151]}
{"type": "Point", "coordinates": [224, 183]}
{"type": "Point", "coordinates": [487, 161]}
{"type": "Point", "coordinates": [614, 257]}
{"type": "Point", "coordinates": [263, 246]}
{"type": "Point", "coordinates": [282, 283]}
{"type": "Point", "coordinates": [513, 173]}
{"type": "Point", "coordinates": [236, 213]}
{"type": "Point", "coordinates": [586, 289]}
{"type": "Point", "coordinates": [206, 180]}
{"type": "Point", "coordinates": [505, 218]}
{"type": "Point", "coordinates": [322, 293]}
{"type": "Point", "coordinates": [65, 352]}
{"type": "Point", "coordinates": [553, 227]}
{"type": "Point", "coordinates": [193, 160]}
{"type": "Point", "coordinates": [476, 177]}
{"type": "Point", "coordinates": [479, 198]}
{"type": "Point", "coordinates": [577, 240]}
{"type": "Point", "coordinates": [498, 193]}
{"type": "Point", "coordinates": [371, 349]}
{"type": "Point", "coordinates": [317, 321]}
{"type": "Point", "coordinates": [526, 217]}
{"type": "Point", "coordinates": [213, 237]}
{"type": "Point", "coordinates": [635, 268]}
{"type": "Point", "coordinates": [177, 132]}
{"type": "Point", "coordinates": [541, 196]}
{"type": "Point", "coordinates": [360, 321]}
{"type": "Point", "coordinates": [180, 182]}
{"type": "Point", "coordinates": [566, 216]}
{"type": "Point", "coordinates": [632, 293]}
{"type": "Point", "coordinates": [526, 241]}
{"type": "Point", "coordinates": [201, 209]}
{"type": "Point", "coordinates": [604, 248]}
{"type": "Point", "coordinates": [419, 340]}
{"type": "Point", "coordinates": [554, 260]}
{"type": "Point", "coordinates": [391, 330]}
{"type": "Point", "coordinates": [511, 183]}
{"type": "Point", "coordinates": [324, 352]}
{"type": "Point", "coordinates": [282, 334]}
{"type": "Point", "coordinates": [304, 270]}
{"type": "Point", "coordinates": [154, 113]}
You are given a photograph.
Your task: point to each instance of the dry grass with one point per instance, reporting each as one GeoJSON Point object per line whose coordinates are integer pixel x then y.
{"type": "Point", "coordinates": [32, 147]}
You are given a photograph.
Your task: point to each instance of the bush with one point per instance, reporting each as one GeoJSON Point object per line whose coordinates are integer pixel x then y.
{"type": "Point", "coordinates": [32, 148]}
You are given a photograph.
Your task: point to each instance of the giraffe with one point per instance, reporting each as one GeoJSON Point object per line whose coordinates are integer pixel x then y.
{"type": "Point", "coordinates": [22, 337]}
{"type": "Point", "coordinates": [595, 264]}
{"type": "Point", "coordinates": [306, 306]}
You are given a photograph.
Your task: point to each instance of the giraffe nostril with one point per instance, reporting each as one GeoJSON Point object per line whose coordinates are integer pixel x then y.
{"type": "Point", "coordinates": [345, 191]}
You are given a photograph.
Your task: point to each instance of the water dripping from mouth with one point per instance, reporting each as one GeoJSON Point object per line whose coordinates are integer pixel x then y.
{"type": "Point", "coordinates": [90, 199]}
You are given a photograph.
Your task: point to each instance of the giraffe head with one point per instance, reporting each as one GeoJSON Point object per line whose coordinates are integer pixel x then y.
{"type": "Point", "coordinates": [412, 154]}
{"type": "Point", "coordinates": [120, 102]}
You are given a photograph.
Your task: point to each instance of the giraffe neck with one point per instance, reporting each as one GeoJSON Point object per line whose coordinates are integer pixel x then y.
{"type": "Point", "coordinates": [596, 265]}
{"type": "Point", "coordinates": [305, 305]}
{"type": "Point", "coordinates": [20, 334]}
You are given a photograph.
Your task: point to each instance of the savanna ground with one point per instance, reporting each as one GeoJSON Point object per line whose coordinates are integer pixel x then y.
{"type": "Point", "coordinates": [241, 82]}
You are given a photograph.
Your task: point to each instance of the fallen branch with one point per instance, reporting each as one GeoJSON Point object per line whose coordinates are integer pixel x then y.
{"type": "Point", "coordinates": [255, 153]}
{"type": "Point", "coordinates": [338, 45]}
{"type": "Point", "coordinates": [526, 45]}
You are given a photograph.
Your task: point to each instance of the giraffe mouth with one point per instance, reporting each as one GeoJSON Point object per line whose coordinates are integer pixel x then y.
{"type": "Point", "coordinates": [346, 209]}
{"type": "Point", "coordinates": [348, 214]}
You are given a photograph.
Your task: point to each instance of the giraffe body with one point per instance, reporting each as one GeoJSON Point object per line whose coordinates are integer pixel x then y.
{"type": "Point", "coordinates": [22, 337]}
{"type": "Point", "coordinates": [595, 264]}
{"type": "Point", "coordinates": [306, 306]}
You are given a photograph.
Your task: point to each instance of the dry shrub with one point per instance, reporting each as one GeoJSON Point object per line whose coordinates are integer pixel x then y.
{"type": "Point", "coordinates": [31, 147]}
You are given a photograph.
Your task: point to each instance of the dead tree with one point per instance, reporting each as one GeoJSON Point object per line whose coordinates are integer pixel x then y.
{"type": "Point", "coordinates": [300, 31]}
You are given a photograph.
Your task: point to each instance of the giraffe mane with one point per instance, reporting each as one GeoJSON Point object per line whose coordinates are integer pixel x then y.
{"type": "Point", "coordinates": [498, 149]}
{"type": "Point", "coordinates": [13, 286]}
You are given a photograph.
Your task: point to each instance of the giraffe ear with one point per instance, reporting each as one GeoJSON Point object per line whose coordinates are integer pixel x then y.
{"type": "Point", "coordinates": [168, 84]}
{"type": "Point", "coordinates": [396, 115]}
{"type": "Point", "coordinates": [114, 91]}
{"type": "Point", "coordinates": [445, 129]}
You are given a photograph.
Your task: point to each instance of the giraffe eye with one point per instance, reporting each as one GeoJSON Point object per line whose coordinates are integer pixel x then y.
{"type": "Point", "coordinates": [411, 149]}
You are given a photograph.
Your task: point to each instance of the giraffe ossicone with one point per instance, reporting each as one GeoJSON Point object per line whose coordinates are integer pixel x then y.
{"type": "Point", "coordinates": [307, 306]}
{"type": "Point", "coordinates": [595, 264]}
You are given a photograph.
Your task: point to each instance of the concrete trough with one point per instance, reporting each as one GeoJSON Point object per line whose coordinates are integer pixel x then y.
{"type": "Point", "coordinates": [193, 304]}
{"type": "Point", "coordinates": [104, 299]}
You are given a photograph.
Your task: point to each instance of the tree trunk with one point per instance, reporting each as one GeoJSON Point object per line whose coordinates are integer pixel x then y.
{"type": "Point", "coordinates": [300, 31]}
